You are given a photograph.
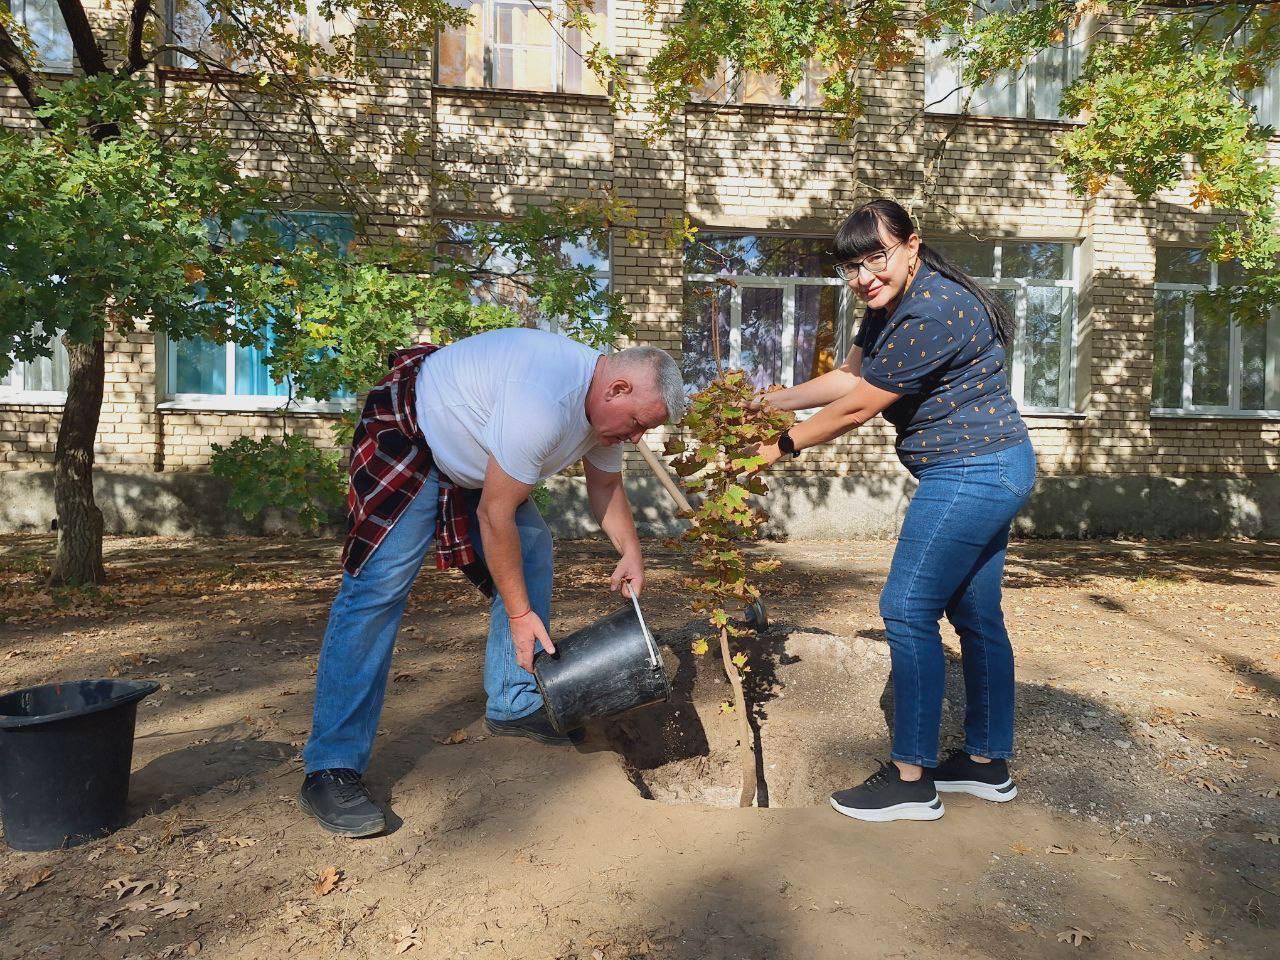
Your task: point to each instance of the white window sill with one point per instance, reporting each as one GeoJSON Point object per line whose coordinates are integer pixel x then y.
{"type": "Point", "coordinates": [33, 398]}
{"type": "Point", "coordinates": [1166, 414]}
{"type": "Point", "coordinates": [249, 404]}
{"type": "Point", "coordinates": [1050, 414]}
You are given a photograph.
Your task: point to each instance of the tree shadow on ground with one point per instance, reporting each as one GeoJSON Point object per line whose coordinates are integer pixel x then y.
{"type": "Point", "coordinates": [181, 775]}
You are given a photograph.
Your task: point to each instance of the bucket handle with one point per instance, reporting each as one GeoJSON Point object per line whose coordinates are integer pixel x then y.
{"type": "Point", "coordinates": [654, 660]}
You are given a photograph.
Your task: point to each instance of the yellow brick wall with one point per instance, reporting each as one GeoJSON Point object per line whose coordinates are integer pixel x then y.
{"type": "Point", "coordinates": [750, 168]}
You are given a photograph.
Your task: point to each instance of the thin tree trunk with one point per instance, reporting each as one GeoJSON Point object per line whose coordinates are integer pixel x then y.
{"type": "Point", "coordinates": [746, 741]}
{"type": "Point", "coordinates": [79, 556]}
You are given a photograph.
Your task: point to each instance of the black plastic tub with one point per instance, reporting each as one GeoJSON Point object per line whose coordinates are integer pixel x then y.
{"type": "Point", "coordinates": [601, 670]}
{"type": "Point", "coordinates": [65, 754]}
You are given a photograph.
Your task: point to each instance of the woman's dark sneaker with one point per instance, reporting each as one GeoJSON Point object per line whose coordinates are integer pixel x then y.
{"type": "Point", "coordinates": [536, 726]}
{"type": "Point", "coordinates": [341, 804]}
{"type": "Point", "coordinates": [959, 773]}
{"type": "Point", "coordinates": [885, 796]}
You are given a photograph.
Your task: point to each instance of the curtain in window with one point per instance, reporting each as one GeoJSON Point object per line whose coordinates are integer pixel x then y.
{"type": "Point", "coordinates": [43, 20]}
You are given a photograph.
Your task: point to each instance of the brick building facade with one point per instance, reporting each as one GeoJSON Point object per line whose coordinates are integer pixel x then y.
{"type": "Point", "coordinates": [1144, 421]}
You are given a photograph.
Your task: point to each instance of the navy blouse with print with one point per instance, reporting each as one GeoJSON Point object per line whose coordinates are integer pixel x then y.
{"type": "Point", "coordinates": [939, 350]}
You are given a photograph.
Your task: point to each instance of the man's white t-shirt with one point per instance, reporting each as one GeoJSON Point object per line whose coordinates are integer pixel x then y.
{"type": "Point", "coordinates": [516, 395]}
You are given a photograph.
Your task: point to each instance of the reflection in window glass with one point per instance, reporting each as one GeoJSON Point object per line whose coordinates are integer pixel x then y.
{"type": "Point", "coordinates": [1166, 387]}
{"type": "Point", "coordinates": [1211, 364]}
{"type": "Point", "coordinates": [45, 375]}
{"type": "Point", "coordinates": [508, 282]}
{"type": "Point", "coordinates": [1182, 265]}
{"type": "Point", "coordinates": [191, 25]}
{"type": "Point", "coordinates": [707, 306]}
{"type": "Point", "coordinates": [784, 319]}
{"type": "Point", "coordinates": [1232, 366]}
{"type": "Point", "coordinates": [48, 30]}
{"type": "Point", "coordinates": [1034, 278]}
{"type": "Point", "coordinates": [1035, 92]}
{"type": "Point", "coordinates": [200, 367]}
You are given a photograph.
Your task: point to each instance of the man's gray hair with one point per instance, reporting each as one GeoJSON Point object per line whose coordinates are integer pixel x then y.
{"type": "Point", "coordinates": [662, 368]}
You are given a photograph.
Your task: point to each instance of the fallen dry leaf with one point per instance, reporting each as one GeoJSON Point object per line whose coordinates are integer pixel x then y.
{"type": "Point", "coordinates": [1196, 941]}
{"type": "Point", "coordinates": [138, 905]}
{"type": "Point", "coordinates": [1020, 848]}
{"type": "Point", "coordinates": [107, 921]}
{"type": "Point", "coordinates": [327, 880]}
{"type": "Point", "coordinates": [30, 880]}
{"type": "Point", "coordinates": [1060, 849]}
{"type": "Point", "coordinates": [95, 855]}
{"type": "Point", "coordinates": [125, 934]}
{"type": "Point", "coordinates": [458, 736]}
{"type": "Point", "coordinates": [1135, 945]}
{"type": "Point", "coordinates": [1075, 936]}
{"type": "Point", "coordinates": [238, 841]}
{"type": "Point", "coordinates": [176, 908]}
{"type": "Point", "coordinates": [1209, 785]}
{"type": "Point", "coordinates": [1270, 794]}
{"type": "Point", "coordinates": [1161, 878]}
{"type": "Point", "coordinates": [1268, 837]}
{"type": "Point", "coordinates": [128, 887]}
{"type": "Point", "coordinates": [406, 940]}
{"type": "Point", "coordinates": [170, 888]}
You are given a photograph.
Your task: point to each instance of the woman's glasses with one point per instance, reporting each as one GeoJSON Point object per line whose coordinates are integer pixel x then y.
{"type": "Point", "coordinates": [874, 263]}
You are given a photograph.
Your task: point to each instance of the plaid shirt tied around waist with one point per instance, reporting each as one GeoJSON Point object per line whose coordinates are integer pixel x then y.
{"type": "Point", "coordinates": [390, 461]}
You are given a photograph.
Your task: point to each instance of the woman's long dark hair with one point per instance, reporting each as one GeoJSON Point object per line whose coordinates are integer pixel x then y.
{"type": "Point", "coordinates": [859, 235]}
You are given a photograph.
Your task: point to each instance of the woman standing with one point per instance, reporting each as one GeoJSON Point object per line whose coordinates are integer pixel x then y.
{"type": "Point", "coordinates": [930, 355]}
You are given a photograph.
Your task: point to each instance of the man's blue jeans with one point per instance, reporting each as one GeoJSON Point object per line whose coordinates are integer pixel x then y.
{"type": "Point", "coordinates": [950, 560]}
{"type": "Point", "coordinates": [356, 655]}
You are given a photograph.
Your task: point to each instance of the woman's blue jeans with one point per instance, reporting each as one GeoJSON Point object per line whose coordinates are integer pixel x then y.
{"type": "Point", "coordinates": [355, 657]}
{"type": "Point", "coordinates": [950, 560]}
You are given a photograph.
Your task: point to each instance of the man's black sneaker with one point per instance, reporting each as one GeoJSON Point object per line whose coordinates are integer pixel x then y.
{"type": "Point", "coordinates": [961, 774]}
{"type": "Point", "coordinates": [885, 796]}
{"type": "Point", "coordinates": [341, 804]}
{"type": "Point", "coordinates": [535, 726]}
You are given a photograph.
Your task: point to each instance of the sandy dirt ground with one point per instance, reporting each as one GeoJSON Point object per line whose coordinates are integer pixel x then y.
{"type": "Point", "coordinates": [1148, 820]}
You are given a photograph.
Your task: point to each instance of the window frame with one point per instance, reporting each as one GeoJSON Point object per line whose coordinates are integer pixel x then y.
{"type": "Point", "coordinates": [553, 323]}
{"type": "Point", "coordinates": [1074, 51]}
{"type": "Point", "coordinates": [804, 96]}
{"type": "Point", "coordinates": [559, 50]}
{"type": "Point", "coordinates": [1069, 346]}
{"type": "Point", "coordinates": [845, 330]}
{"type": "Point", "coordinates": [229, 400]}
{"type": "Point", "coordinates": [61, 67]}
{"type": "Point", "coordinates": [1235, 358]}
{"type": "Point", "coordinates": [15, 395]}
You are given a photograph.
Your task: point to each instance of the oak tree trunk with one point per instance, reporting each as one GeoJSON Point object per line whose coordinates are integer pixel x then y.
{"type": "Point", "coordinates": [79, 555]}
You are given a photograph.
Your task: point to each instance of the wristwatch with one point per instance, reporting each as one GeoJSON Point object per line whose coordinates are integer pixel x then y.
{"type": "Point", "coordinates": [787, 445]}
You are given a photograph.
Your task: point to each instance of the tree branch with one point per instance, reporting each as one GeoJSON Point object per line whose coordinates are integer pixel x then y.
{"type": "Point", "coordinates": [137, 60]}
{"type": "Point", "coordinates": [19, 71]}
{"type": "Point", "coordinates": [88, 52]}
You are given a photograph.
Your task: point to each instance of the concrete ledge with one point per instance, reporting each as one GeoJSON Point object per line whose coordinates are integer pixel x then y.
{"type": "Point", "coordinates": [820, 508]}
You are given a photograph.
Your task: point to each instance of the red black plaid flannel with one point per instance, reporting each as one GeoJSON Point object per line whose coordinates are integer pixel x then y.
{"type": "Point", "coordinates": [390, 461]}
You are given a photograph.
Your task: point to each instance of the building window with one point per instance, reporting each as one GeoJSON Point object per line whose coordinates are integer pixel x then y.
{"type": "Point", "coordinates": [521, 45]}
{"type": "Point", "coordinates": [43, 380]}
{"type": "Point", "coordinates": [1265, 98]}
{"type": "Point", "coordinates": [192, 25]}
{"type": "Point", "coordinates": [43, 22]}
{"type": "Point", "coordinates": [774, 302]}
{"type": "Point", "coordinates": [505, 278]}
{"type": "Point", "coordinates": [732, 84]}
{"type": "Point", "coordinates": [1037, 281]}
{"type": "Point", "coordinates": [1204, 365]}
{"type": "Point", "coordinates": [1034, 92]}
{"type": "Point", "coordinates": [200, 369]}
